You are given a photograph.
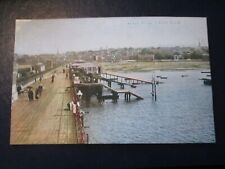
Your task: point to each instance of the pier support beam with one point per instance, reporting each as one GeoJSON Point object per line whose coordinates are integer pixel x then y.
{"type": "Point", "coordinates": [121, 86]}
{"type": "Point", "coordinates": [115, 96]}
{"type": "Point", "coordinates": [154, 95]}
{"type": "Point", "coordinates": [109, 83]}
{"type": "Point", "coordinates": [127, 96]}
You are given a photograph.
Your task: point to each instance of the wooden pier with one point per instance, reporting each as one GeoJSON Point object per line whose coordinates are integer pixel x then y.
{"type": "Point", "coordinates": [128, 80]}
{"type": "Point", "coordinates": [115, 80]}
{"type": "Point", "coordinates": [124, 80]}
{"type": "Point", "coordinates": [45, 120]}
{"type": "Point", "coordinates": [127, 93]}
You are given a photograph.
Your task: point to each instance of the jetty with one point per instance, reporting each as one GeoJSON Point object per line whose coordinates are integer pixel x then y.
{"type": "Point", "coordinates": [127, 93]}
{"type": "Point", "coordinates": [130, 81]}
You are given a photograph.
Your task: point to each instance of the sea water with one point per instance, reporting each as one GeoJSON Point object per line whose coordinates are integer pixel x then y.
{"type": "Point", "coordinates": [182, 113]}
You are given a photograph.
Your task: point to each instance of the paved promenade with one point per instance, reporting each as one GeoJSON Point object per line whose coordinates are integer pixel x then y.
{"type": "Point", "coordinates": [45, 120]}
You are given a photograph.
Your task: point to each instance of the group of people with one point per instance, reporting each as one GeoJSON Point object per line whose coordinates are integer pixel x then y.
{"type": "Point", "coordinates": [37, 93]}
{"type": "Point", "coordinates": [74, 104]}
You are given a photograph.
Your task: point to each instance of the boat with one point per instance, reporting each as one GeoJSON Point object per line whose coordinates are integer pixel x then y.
{"type": "Point", "coordinates": [207, 82]}
{"type": "Point", "coordinates": [163, 77]}
{"type": "Point", "coordinates": [133, 86]}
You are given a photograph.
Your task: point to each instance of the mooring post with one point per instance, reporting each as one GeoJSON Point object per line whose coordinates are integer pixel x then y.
{"type": "Point", "coordinates": [152, 89]}
{"type": "Point", "coordinates": [155, 90]}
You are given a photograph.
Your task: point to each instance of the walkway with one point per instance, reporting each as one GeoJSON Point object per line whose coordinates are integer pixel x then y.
{"type": "Point", "coordinates": [46, 120]}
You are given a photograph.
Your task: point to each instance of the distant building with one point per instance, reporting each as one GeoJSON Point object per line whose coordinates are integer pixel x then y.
{"type": "Point", "coordinates": [40, 67]}
{"type": "Point", "coordinates": [177, 57]}
{"type": "Point", "coordinates": [98, 58]}
{"type": "Point", "coordinates": [27, 68]}
{"type": "Point", "coordinates": [23, 70]}
{"type": "Point", "coordinates": [49, 64]}
{"type": "Point", "coordinates": [87, 67]}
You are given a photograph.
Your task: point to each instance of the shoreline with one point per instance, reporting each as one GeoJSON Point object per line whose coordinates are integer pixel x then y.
{"type": "Point", "coordinates": [154, 66]}
{"type": "Point", "coordinates": [150, 70]}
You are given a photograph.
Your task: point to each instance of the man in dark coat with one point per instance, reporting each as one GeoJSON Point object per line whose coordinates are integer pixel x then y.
{"type": "Point", "coordinates": [53, 76]}
{"type": "Point", "coordinates": [36, 93]}
{"type": "Point", "coordinates": [40, 88]}
{"type": "Point", "coordinates": [30, 95]}
{"type": "Point", "coordinates": [19, 88]}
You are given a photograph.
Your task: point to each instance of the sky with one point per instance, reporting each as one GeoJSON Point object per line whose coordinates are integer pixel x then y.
{"type": "Point", "coordinates": [39, 36]}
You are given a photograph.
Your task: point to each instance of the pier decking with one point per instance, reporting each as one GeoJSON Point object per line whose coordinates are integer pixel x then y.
{"type": "Point", "coordinates": [128, 79]}
{"type": "Point", "coordinates": [46, 120]}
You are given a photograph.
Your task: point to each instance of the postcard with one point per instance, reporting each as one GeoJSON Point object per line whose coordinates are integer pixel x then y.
{"type": "Point", "coordinates": [119, 80]}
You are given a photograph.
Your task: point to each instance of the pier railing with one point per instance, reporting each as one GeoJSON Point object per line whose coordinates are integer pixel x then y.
{"type": "Point", "coordinates": [82, 137]}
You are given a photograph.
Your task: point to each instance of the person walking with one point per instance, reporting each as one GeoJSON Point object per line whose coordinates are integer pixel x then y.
{"type": "Point", "coordinates": [19, 88]}
{"type": "Point", "coordinates": [36, 93]}
{"type": "Point", "coordinates": [40, 89]}
{"type": "Point", "coordinates": [30, 95]}
{"type": "Point", "coordinates": [53, 77]}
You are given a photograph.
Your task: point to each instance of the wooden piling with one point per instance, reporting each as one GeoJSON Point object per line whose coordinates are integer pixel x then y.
{"type": "Point", "coordinates": [155, 90]}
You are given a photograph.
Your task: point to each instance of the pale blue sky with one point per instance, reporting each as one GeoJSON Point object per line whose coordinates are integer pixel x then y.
{"type": "Point", "coordinates": [50, 35]}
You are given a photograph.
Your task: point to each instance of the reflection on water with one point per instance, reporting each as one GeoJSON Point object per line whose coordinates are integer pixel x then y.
{"type": "Point", "coordinates": [183, 112]}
